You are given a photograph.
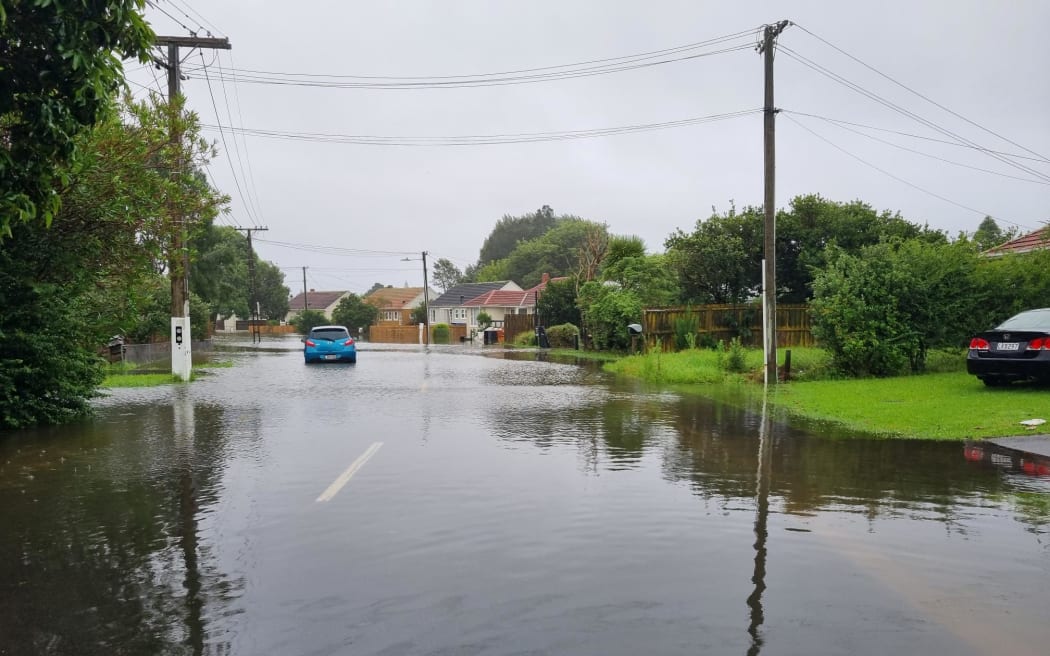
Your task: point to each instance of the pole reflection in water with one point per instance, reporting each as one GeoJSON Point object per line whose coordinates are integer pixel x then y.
{"type": "Point", "coordinates": [758, 576]}
{"type": "Point", "coordinates": [185, 436]}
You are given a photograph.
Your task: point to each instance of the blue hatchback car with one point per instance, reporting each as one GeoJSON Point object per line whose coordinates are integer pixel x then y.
{"type": "Point", "coordinates": [329, 344]}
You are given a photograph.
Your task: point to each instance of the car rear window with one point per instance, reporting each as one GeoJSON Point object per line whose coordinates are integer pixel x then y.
{"type": "Point", "coordinates": [329, 333]}
{"type": "Point", "coordinates": [1033, 320]}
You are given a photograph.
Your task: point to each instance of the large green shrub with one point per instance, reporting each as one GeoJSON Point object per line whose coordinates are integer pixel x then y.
{"type": "Point", "coordinates": [607, 310]}
{"type": "Point", "coordinates": [440, 333]}
{"type": "Point", "coordinates": [879, 311]}
{"type": "Point", "coordinates": [685, 331]}
{"type": "Point", "coordinates": [308, 319]}
{"type": "Point", "coordinates": [563, 336]}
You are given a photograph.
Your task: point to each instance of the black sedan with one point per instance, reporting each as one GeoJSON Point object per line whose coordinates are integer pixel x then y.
{"type": "Point", "coordinates": [1016, 349]}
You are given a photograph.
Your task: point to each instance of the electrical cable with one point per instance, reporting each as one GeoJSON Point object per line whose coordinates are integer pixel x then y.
{"type": "Point", "coordinates": [897, 108]}
{"type": "Point", "coordinates": [940, 159]}
{"type": "Point", "coordinates": [913, 136]}
{"type": "Point", "coordinates": [913, 91]}
{"type": "Point", "coordinates": [251, 78]}
{"type": "Point", "coordinates": [479, 140]}
{"type": "Point", "coordinates": [898, 178]}
{"type": "Point", "coordinates": [236, 181]}
{"type": "Point", "coordinates": [247, 156]}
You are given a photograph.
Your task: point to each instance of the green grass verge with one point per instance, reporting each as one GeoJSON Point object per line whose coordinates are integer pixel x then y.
{"type": "Point", "coordinates": [942, 406]}
{"type": "Point", "coordinates": [129, 375]}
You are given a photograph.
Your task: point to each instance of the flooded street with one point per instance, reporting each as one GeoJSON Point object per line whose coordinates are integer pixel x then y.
{"type": "Point", "coordinates": [441, 503]}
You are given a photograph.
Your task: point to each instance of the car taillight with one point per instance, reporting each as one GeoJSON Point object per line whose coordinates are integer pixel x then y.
{"type": "Point", "coordinates": [311, 342]}
{"type": "Point", "coordinates": [1039, 343]}
{"type": "Point", "coordinates": [349, 342]}
{"type": "Point", "coordinates": [979, 344]}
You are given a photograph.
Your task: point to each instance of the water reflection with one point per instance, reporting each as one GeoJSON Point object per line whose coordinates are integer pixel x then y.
{"type": "Point", "coordinates": [101, 551]}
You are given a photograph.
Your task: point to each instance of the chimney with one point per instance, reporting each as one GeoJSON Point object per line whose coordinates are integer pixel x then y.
{"type": "Point", "coordinates": [546, 279]}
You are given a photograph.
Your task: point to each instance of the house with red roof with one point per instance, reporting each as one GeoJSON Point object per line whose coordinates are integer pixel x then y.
{"type": "Point", "coordinates": [1036, 240]}
{"type": "Point", "coordinates": [500, 303]}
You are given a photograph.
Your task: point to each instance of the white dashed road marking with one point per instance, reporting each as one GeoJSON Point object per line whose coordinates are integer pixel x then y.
{"type": "Point", "coordinates": [345, 477]}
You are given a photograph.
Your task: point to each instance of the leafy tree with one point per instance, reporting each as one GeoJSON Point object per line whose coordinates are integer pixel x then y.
{"type": "Point", "coordinates": [492, 271]}
{"type": "Point", "coordinates": [557, 304]}
{"type": "Point", "coordinates": [557, 252]}
{"type": "Point", "coordinates": [510, 230]}
{"type": "Point", "coordinates": [648, 276]}
{"type": "Point", "coordinates": [419, 314]}
{"type": "Point", "coordinates": [484, 320]}
{"type": "Point", "coordinates": [879, 311]}
{"type": "Point", "coordinates": [271, 290]}
{"type": "Point", "coordinates": [990, 235]}
{"type": "Point", "coordinates": [446, 274]}
{"type": "Point", "coordinates": [220, 270]}
{"type": "Point", "coordinates": [95, 271]}
{"type": "Point", "coordinates": [606, 311]}
{"type": "Point", "coordinates": [354, 313]}
{"type": "Point", "coordinates": [308, 319]}
{"type": "Point", "coordinates": [376, 286]}
{"type": "Point", "coordinates": [718, 261]}
{"type": "Point", "coordinates": [59, 70]}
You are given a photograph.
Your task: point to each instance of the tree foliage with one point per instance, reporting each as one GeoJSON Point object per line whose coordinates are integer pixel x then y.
{"type": "Point", "coordinates": [446, 274]}
{"type": "Point", "coordinates": [60, 69]}
{"type": "Point", "coordinates": [557, 252]}
{"type": "Point", "coordinates": [353, 312]}
{"type": "Point", "coordinates": [721, 260]}
{"type": "Point", "coordinates": [307, 320]}
{"type": "Point", "coordinates": [557, 304]}
{"type": "Point", "coordinates": [607, 310]}
{"type": "Point", "coordinates": [96, 270]}
{"type": "Point", "coordinates": [511, 230]}
{"type": "Point", "coordinates": [990, 235]}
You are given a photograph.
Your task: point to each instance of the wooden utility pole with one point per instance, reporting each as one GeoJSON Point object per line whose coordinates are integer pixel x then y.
{"type": "Point", "coordinates": [306, 295]}
{"type": "Point", "coordinates": [253, 295]}
{"type": "Point", "coordinates": [426, 302]}
{"type": "Point", "coordinates": [179, 259]}
{"type": "Point", "coordinates": [769, 278]}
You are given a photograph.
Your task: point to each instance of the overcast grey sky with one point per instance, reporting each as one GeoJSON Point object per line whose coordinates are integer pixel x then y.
{"type": "Point", "coordinates": [988, 61]}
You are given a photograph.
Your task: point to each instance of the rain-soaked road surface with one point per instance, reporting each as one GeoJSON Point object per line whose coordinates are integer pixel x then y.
{"type": "Point", "coordinates": [491, 506]}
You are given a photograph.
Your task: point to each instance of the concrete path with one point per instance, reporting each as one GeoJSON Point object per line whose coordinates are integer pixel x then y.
{"type": "Point", "coordinates": [1038, 445]}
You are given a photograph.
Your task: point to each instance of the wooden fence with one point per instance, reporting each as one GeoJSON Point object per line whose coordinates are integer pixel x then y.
{"type": "Point", "coordinates": [515, 324]}
{"type": "Point", "coordinates": [714, 323]}
{"type": "Point", "coordinates": [394, 334]}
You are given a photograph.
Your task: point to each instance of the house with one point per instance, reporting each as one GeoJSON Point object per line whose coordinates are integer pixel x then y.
{"type": "Point", "coordinates": [501, 303]}
{"type": "Point", "coordinates": [1034, 241]}
{"type": "Point", "coordinates": [314, 300]}
{"type": "Point", "coordinates": [395, 304]}
{"type": "Point", "coordinates": [451, 307]}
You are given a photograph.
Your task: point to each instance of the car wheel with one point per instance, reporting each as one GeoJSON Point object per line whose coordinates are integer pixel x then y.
{"type": "Point", "coordinates": [993, 381]}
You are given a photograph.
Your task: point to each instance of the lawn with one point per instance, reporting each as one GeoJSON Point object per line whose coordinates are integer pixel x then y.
{"type": "Point", "coordinates": [942, 406]}
{"type": "Point", "coordinates": [129, 375]}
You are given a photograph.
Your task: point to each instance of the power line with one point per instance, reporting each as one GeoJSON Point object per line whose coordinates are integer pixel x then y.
{"type": "Point", "coordinates": [178, 22]}
{"type": "Point", "coordinates": [482, 140]}
{"type": "Point", "coordinates": [913, 91]}
{"type": "Point", "coordinates": [251, 173]}
{"type": "Point", "coordinates": [335, 250]}
{"type": "Point", "coordinates": [898, 178]}
{"type": "Point", "coordinates": [914, 136]}
{"type": "Point", "coordinates": [897, 108]}
{"type": "Point", "coordinates": [201, 18]}
{"type": "Point", "coordinates": [236, 181]}
{"type": "Point", "coordinates": [940, 159]}
{"type": "Point", "coordinates": [277, 80]}
{"type": "Point", "coordinates": [605, 61]}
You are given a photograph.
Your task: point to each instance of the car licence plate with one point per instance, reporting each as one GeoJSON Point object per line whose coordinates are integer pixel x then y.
{"type": "Point", "coordinates": [1008, 346]}
{"type": "Point", "coordinates": [331, 357]}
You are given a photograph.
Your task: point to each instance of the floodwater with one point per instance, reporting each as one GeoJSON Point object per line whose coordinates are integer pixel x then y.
{"type": "Point", "coordinates": [481, 505]}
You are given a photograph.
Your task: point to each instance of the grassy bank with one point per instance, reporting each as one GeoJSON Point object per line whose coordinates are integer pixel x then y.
{"type": "Point", "coordinates": [945, 403]}
{"type": "Point", "coordinates": [128, 375]}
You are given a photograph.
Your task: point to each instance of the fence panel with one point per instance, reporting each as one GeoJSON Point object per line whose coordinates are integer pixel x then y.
{"type": "Point", "coordinates": [715, 323]}
{"type": "Point", "coordinates": [515, 324]}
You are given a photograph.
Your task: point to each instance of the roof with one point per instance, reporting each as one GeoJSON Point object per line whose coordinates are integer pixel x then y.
{"type": "Point", "coordinates": [317, 300]}
{"type": "Point", "coordinates": [509, 298]}
{"type": "Point", "coordinates": [502, 298]}
{"type": "Point", "coordinates": [393, 298]}
{"type": "Point", "coordinates": [1033, 241]}
{"type": "Point", "coordinates": [459, 294]}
